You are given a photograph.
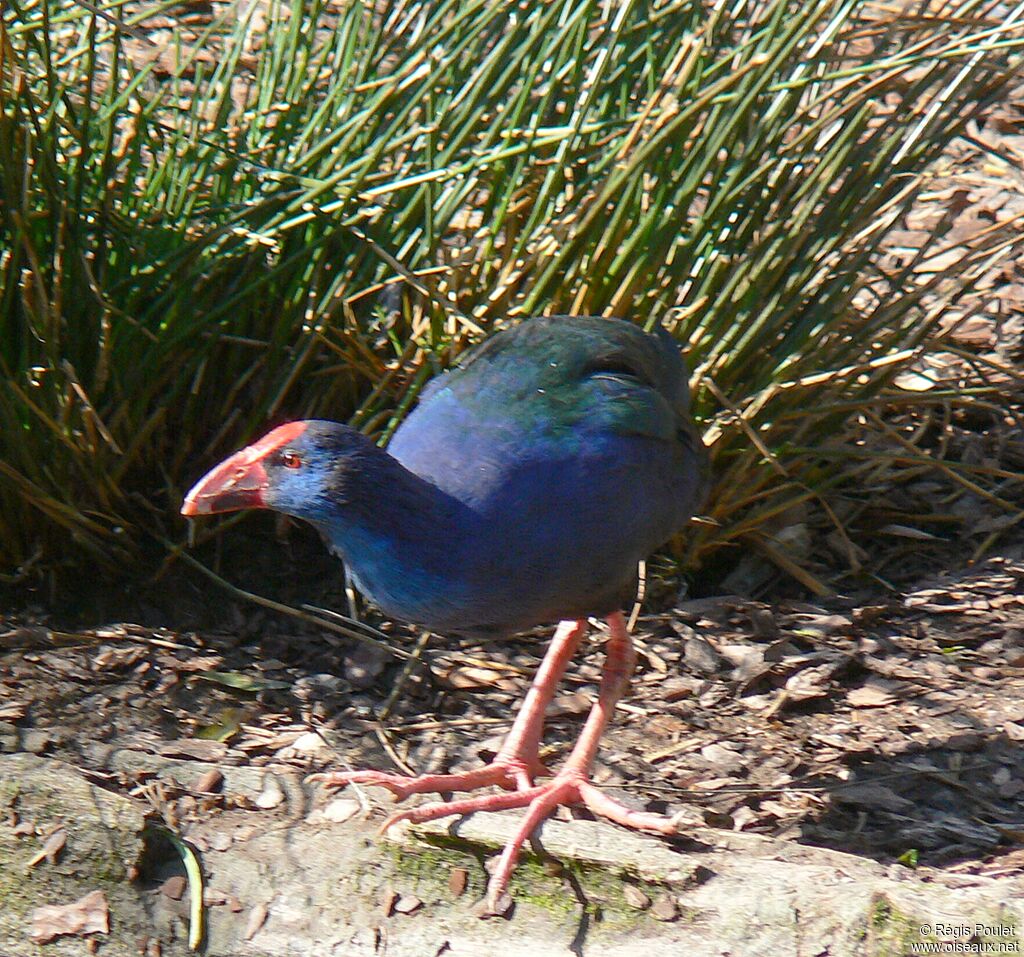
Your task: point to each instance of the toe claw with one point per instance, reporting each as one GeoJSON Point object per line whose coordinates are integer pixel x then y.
{"type": "Point", "coordinates": [497, 903]}
{"type": "Point", "coordinates": [393, 819]}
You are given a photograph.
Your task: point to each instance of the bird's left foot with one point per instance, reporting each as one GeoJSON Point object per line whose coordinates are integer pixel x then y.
{"type": "Point", "coordinates": [566, 787]}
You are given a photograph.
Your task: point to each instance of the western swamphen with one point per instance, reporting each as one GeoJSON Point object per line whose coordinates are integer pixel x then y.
{"type": "Point", "coordinates": [522, 490]}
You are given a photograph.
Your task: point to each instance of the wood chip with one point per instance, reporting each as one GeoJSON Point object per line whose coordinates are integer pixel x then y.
{"type": "Point", "coordinates": [501, 907]}
{"type": "Point", "coordinates": [702, 657]}
{"type": "Point", "coordinates": [470, 677]}
{"type": "Point", "coordinates": [50, 851]}
{"type": "Point", "coordinates": [874, 796]}
{"type": "Point", "coordinates": [340, 810]}
{"type": "Point", "coordinates": [174, 887]}
{"type": "Point", "coordinates": [210, 782]}
{"type": "Point", "coordinates": [220, 841]}
{"type": "Point", "coordinates": [635, 897]}
{"type": "Point", "coordinates": [272, 794]}
{"type": "Point", "coordinates": [257, 918]}
{"type": "Point", "coordinates": [407, 904]}
{"type": "Point", "coordinates": [457, 881]}
{"type": "Point", "coordinates": [13, 710]}
{"type": "Point", "coordinates": [870, 696]}
{"type": "Point", "coordinates": [810, 683]}
{"type": "Point", "coordinates": [665, 908]}
{"type": "Point", "coordinates": [197, 748]}
{"type": "Point", "coordinates": [387, 902]}
{"type": "Point", "coordinates": [308, 743]}
{"type": "Point", "coordinates": [943, 261]}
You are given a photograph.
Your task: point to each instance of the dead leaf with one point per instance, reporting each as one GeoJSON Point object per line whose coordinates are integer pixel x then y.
{"type": "Point", "coordinates": [905, 531]}
{"type": "Point", "coordinates": [872, 795]}
{"type": "Point", "coordinates": [88, 915]}
{"type": "Point", "coordinates": [242, 682]}
{"type": "Point", "coordinates": [225, 729]}
{"type": "Point", "coordinates": [870, 696]}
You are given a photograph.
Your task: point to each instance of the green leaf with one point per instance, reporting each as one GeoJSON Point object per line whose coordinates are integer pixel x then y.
{"type": "Point", "coordinates": [241, 682]}
{"type": "Point", "coordinates": [908, 858]}
{"type": "Point", "coordinates": [226, 728]}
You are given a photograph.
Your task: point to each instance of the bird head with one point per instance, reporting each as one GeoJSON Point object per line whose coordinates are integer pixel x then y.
{"type": "Point", "coordinates": [289, 470]}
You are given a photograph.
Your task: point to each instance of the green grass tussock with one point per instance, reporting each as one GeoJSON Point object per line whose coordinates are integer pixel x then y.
{"type": "Point", "coordinates": [212, 222]}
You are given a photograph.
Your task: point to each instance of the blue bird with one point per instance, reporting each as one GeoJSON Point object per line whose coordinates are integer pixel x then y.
{"type": "Point", "coordinates": [522, 490]}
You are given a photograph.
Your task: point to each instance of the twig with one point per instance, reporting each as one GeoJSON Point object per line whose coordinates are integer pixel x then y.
{"type": "Point", "coordinates": [414, 659]}
{"type": "Point", "coordinates": [385, 743]}
{"type": "Point", "coordinates": [320, 622]}
{"type": "Point", "coordinates": [641, 593]}
{"type": "Point", "coordinates": [453, 723]}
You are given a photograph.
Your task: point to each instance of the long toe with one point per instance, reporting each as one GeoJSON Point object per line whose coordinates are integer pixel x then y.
{"type": "Point", "coordinates": [506, 774]}
{"type": "Point", "coordinates": [567, 787]}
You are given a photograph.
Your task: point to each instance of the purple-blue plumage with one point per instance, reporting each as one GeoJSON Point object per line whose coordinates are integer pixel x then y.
{"type": "Point", "coordinates": [523, 489]}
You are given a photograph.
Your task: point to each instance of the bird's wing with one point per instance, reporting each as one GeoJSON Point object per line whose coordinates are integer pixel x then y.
{"type": "Point", "coordinates": [557, 371]}
{"type": "Point", "coordinates": [545, 388]}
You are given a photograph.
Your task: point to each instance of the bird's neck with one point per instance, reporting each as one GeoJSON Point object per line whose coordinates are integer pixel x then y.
{"type": "Point", "coordinates": [397, 533]}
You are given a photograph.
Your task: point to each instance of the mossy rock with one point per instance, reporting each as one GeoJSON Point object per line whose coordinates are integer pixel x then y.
{"type": "Point", "coordinates": [327, 888]}
{"type": "Point", "coordinates": [104, 845]}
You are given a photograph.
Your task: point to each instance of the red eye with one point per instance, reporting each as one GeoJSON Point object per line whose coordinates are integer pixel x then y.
{"type": "Point", "coordinates": [291, 460]}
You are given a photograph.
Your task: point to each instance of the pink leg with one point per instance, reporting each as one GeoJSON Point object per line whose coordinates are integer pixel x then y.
{"type": "Point", "coordinates": [518, 761]}
{"type": "Point", "coordinates": [569, 786]}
